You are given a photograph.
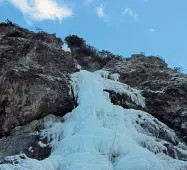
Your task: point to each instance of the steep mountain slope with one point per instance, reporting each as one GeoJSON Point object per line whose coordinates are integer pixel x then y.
{"type": "Point", "coordinates": [34, 73]}
{"type": "Point", "coordinates": [165, 89]}
{"type": "Point", "coordinates": [114, 113]}
{"type": "Point", "coordinates": [100, 135]}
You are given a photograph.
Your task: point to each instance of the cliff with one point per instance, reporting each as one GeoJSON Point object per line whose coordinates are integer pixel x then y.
{"type": "Point", "coordinates": [47, 96]}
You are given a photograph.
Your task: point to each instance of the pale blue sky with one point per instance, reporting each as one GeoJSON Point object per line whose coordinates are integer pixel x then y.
{"type": "Point", "coordinates": [156, 27]}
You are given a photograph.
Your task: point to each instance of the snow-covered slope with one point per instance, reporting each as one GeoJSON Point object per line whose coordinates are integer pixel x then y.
{"type": "Point", "coordinates": [98, 135]}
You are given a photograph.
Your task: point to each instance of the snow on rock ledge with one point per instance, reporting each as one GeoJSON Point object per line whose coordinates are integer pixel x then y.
{"type": "Point", "coordinates": [110, 82]}
{"type": "Point", "coordinates": [135, 95]}
{"type": "Point", "coordinates": [106, 74]}
{"type": "Point", "coordinates": [115, 77]}
{"type": "Point", "coordinates": [98, 135]}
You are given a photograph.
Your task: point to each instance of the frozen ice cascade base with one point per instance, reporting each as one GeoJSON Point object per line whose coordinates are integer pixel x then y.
{"type": "Point", "coordinates": [98, 135]}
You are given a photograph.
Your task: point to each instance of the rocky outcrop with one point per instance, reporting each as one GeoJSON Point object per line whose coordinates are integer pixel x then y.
{"type": "Point", "coordinates": [34, 76]}
{"type": "Point", "coordinates": [35, 82]}
{"type": "Point", "coordinates": [164, 89]}
{"type": "Point", "coordinates": [27, 140]}
{"type": "Point", "coordinates": [89, 60]}
{"type": "Point", "coordinates": [88, 57]}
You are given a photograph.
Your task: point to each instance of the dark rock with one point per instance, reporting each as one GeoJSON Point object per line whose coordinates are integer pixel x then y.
{"type": "Point", "coordinates": [86, 61]}
{"type": "Point", "coordinates": [34, 76]}
{"type": "Point", "coordinates": [165, 90]}
{"type": "Point", "coordinates": [24, 140]}
{"type": "Point", "coordinates": [90, 59]}
{"type": "Point", "coordinates": [123, 100]}
{"type": "Point", "coordinates": [34, 82]}
{"type": "Point", "coordinates": [14, 31]}
{"type": "Point", "coordinates": [175, 153]}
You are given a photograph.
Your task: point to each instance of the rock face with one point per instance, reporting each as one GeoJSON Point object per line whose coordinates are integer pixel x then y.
{"type": "Point", "coordinates": [35, 82]}
{"type": "Point", "coordinates": [26, 139]}
{"type": "Point", "coordinates": [87, 61]}
{"type": "Point", "coordinates": [164, 89]}
{"type": "Point", "coordinates": [34, 76]}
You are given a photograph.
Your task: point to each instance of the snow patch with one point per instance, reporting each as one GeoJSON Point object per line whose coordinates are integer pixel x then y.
{"type": "Point", "coordinates": [115, 77]}
{"type": "Point", "coordinates": [41, 144]}
{"type": "Point", "coordinates": [79, 67]}
{"type": "Point", "coordinates": [31, 149]}
{"type": "Point", "coordinates": [103, 73]}
{"type": "Point", "coordinates": [108, 75]}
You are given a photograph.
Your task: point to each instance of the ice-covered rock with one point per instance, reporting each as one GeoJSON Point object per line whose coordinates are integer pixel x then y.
{"type": "Point", "coordinates": [99, 135]}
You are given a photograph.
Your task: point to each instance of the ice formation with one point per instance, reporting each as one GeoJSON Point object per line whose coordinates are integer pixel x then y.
{"type": "Point", "coordinates": [98, 135]}
{"type": "Point", "coordinates": [115, 77]}
{"type": "Point", "coordinates": [108, 75]}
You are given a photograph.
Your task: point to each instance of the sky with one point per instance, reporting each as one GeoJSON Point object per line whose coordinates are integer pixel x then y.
{"type": "Point", "coordinates": [124, 27]}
